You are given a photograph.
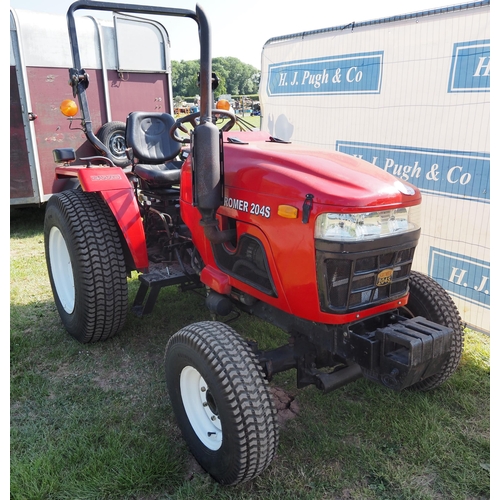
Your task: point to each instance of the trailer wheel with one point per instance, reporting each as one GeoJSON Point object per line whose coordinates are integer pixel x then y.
{"type": "Point", "coordinates": [86, 265]}
{"type": "Point", "coordinates": [112, 135]}
{"type": "Point", "coordinates": [221, 401]}
{"type": "Point", "coordinates": [430, 300]}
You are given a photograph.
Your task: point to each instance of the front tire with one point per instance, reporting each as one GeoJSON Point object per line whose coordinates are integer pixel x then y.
{"type": "Point", "coordinates": [221, 401]}
{"type": "Point", "coordinates": [86, 265]}
{"type": "Point", "coordinates": [430, 300]}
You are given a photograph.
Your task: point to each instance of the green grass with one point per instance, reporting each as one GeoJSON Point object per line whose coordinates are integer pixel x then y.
{"type": "Point", "coordinates": [95, 422]}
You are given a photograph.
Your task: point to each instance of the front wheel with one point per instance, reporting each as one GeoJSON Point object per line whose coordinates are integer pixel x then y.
{"type": "Point", "coordinates": [430, 300]}
{"type": "Point", "coordinates": [221, 401]}
{"type": "Point", "coordinates": [86, 265]}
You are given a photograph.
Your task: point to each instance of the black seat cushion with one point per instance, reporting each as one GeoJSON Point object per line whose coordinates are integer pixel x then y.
{"type": "Point", "coordinates": [165, 174]}
{"type": "Point", "coordinates": [148, 136]}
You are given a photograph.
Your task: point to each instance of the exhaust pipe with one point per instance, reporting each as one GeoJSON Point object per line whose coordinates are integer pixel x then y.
{"type": "Point", "coordinates": [216, 236]}
{"type": "Point", "coordinates": [330, 381]}
{"type": "Point", "coordinates": [206, 146]}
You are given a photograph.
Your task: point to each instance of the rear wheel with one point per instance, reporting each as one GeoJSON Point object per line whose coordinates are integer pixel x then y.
{"type": "Point", "coordinates": [86, 265]}
{"type": "Point", "coordinates": [221, 401]}
{"type": "Point", "coordinates": [430, 300]}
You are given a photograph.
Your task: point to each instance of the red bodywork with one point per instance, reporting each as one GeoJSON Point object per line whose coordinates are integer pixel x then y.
{"type": "Point", "coordinates": [259, 176]}
{"type": "Point", "coordinates": [115, 188]}
{"type": "Point", "coordinates": [268, 174]}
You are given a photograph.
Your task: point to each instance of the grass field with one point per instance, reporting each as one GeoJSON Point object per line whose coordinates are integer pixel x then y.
{"type": "Point", "coordinates": [95, 421]}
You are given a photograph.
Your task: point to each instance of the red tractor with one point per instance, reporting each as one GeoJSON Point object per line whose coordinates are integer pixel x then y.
{"type": "Point", "coordinates": [317, 243]}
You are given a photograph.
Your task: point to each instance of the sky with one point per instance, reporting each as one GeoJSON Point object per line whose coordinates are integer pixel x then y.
{"type": "Point", "coordinates": [241, 29]}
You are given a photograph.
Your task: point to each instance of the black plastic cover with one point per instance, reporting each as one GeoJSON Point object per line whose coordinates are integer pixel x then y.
{"type": "Point", "coordinates": [64, 155]}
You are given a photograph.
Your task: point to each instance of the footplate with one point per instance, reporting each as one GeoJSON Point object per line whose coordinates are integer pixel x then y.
{"type": "Point", "coordinates": [411, 350]}
{"type": "Point", "coordinates": [154, 281]}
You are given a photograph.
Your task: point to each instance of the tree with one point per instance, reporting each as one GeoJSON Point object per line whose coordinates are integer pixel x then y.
{"type": "Point", "coordinates": [185, 78]}
{"type": "Point", "coordinates": [235, 77]}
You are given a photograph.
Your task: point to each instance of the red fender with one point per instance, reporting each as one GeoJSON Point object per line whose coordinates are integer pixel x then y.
{"type": "Point", "coordinates": [124, 206]}
{"type": "Point", "coordinates": [114, 186]}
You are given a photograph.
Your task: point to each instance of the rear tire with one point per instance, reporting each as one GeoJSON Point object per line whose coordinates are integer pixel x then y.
{"type": "Point", "coordinates": [430, 300]}
{"type": "Point", "coordinates": [221, 401]}
{"type": "Point", "coordinates": [86, 265]}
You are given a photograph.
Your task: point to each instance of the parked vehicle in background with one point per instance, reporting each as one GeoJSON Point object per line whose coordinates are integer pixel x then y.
{"type": "Point", "coordinates": [127, 62]}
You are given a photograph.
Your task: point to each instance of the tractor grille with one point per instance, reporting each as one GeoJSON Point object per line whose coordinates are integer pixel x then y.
{"type": "Point", "coordinates": [356, 276]}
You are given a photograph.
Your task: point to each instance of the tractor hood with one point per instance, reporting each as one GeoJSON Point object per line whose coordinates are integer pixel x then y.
{"type": "Point", "coordinates": [290, 172]}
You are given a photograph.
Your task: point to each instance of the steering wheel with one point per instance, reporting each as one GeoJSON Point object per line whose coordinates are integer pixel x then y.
{"type": "Point", "coordinates": [192, 119]}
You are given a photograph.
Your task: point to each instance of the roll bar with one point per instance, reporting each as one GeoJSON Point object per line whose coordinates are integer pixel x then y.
{"type": "Point", "coordinates": [79, 78]}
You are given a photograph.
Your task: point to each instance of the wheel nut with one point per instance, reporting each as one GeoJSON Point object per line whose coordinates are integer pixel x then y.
{"type": "Point", "coordinates": [203, 389]}
{"type": "Point", "coordinates": [205, 404]}
{"type": "Point", "coordinates": [213, 418]}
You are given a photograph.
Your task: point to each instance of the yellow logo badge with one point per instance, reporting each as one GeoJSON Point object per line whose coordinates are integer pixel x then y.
{"type": "Point", "coordinates": [384, 277]}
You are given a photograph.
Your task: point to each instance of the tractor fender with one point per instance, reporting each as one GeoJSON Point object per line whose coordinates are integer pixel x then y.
{"type": "Point", "coordinates": [115, 188]}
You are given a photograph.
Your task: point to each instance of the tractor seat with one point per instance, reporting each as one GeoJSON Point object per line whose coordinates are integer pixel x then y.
{"type": "Point", "coordinates": [147, 134]}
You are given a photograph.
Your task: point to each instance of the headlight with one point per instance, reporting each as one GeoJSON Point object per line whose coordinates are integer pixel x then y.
{"type": "Point", "coordinates": [366, 225]}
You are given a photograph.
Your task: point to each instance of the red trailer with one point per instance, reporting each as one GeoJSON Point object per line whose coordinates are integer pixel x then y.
{"type": "Point", "coordinates": [127, 60]}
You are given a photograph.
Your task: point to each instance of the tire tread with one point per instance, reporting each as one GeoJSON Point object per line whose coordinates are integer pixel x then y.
{"type": "Point", "coordinates": [100, 268]}
{"type": "Point", "coordinates": [441, 309]}
{"type": "Point", "coordinates": [235, 367]}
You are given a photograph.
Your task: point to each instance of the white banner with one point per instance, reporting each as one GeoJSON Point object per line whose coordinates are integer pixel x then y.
{"type": "Point", "coordinates": [410, 94]}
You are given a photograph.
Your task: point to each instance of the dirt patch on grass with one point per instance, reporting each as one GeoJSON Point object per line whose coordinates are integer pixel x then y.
{"type": "Point", "coordinates": [286, 405]}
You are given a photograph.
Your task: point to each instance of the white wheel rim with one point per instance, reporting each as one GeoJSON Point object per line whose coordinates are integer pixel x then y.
{"type": "Point", "coordinates": [117, 145]}
{"type": "Point", "coordinates": [200, 408]}
{"type": "Point", "coordinates": [62, 271]}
